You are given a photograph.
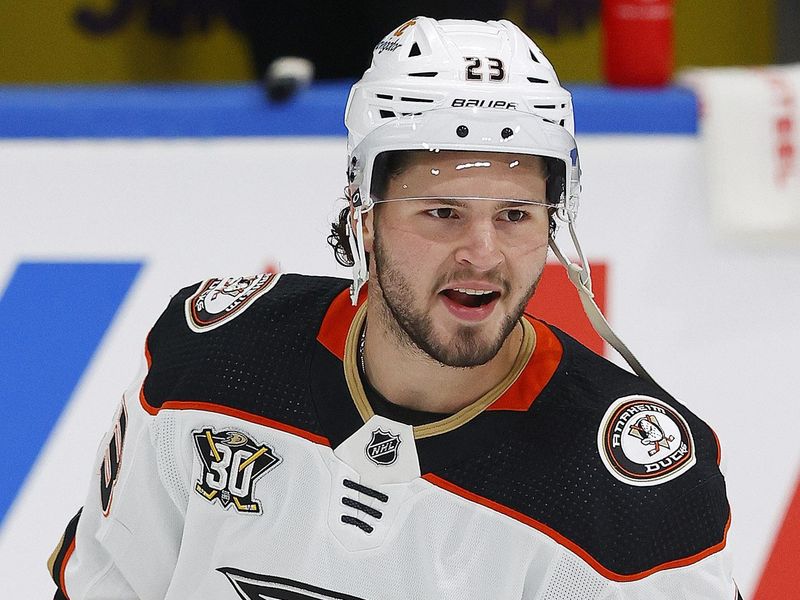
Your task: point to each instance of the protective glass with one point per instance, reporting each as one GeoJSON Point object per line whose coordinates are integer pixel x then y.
{"type": "Point", "coordinates": [462, 195]}
{"type": "Point", "coordinates": [463, 175]}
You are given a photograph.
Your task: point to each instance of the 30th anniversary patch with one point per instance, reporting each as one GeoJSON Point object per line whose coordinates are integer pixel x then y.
{"type": "Point", "coordinates": [643, 441]}
{"type": "Point", "coordinates": [232, 462]}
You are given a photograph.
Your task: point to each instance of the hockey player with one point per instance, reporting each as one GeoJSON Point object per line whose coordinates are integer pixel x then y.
{"type": "Point", "coordinates": [420, 436]}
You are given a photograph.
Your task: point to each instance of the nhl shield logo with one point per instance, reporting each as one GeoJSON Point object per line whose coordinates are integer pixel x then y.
{"type": "Point", "coordinates": [382, 447]}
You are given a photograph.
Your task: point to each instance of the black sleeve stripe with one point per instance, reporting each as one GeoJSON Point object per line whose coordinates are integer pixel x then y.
{"type": "Point", "coordinates": [58, 560]}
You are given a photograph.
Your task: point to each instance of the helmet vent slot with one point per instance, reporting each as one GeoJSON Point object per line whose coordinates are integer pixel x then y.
{"type": "Point", "coordinates": [537, 80]}
{"type": "Point", "coordinates": [424, 74]}
{"type": "Point", "coordinates": [533, 56]}
{"type": "Point", "coordinates": [544, 106]}
{"type": "Point", "coordinates": [415, 51]}
{"type": "Point", "coordinates": [386, 114]}
{"type": "Point", "coordinates": [406, 99]}
{"type": "Point", "coordinates": [384, 96]}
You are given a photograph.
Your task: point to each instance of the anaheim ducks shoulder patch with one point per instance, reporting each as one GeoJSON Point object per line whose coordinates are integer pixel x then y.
{"type": "Point", "coordinates": [218, 301]}
{"type": "Point", "coordinates": [643, 441]}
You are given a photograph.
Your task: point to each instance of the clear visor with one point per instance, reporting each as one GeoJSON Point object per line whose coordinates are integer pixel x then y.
{"type": "Point", "coordinates": [462, 175]}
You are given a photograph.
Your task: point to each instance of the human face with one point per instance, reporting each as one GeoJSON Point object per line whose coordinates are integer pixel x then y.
{"type": "Point", "coordinates": [453, 275]}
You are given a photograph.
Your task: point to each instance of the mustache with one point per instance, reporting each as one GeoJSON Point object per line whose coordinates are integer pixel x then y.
{"type": "Point", "coordinates": [493, 277]}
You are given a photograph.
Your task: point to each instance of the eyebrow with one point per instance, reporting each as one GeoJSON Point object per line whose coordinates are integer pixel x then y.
{"type": "Point", "coordinates": [515, 203]}
{"type": "Point", "coordinates": [458, 203]}
{"type": "Point", "coordinates": [451, 202]}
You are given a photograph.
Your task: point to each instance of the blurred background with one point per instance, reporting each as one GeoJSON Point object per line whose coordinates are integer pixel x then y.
{"type": "Point", "coordinates": [148, 144]}
{"type": "Point", "coordinates": [96, 41]}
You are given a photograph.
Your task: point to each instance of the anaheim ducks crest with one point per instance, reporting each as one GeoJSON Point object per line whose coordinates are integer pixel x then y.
{"type": "Point", "coordinates": [220, 300]}
{"type": "Point", "coordinates": [232, 462]}
{"type": "Point", "coordinates": [644, 441]}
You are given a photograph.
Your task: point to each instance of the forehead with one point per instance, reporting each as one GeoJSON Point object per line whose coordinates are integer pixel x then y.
{"type": "Point", "coordinates": [450, 173]}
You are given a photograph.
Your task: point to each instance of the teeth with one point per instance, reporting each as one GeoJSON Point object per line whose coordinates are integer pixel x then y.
{"type": "Point", "coordinates": [472, 292]}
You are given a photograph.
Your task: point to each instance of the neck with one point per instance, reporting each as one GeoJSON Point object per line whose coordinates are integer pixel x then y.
{"type": "Point", "coordinates": [405, 375]}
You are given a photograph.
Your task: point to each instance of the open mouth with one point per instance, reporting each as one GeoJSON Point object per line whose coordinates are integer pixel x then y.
{"type": "Point", "coordinates": [471, 298]}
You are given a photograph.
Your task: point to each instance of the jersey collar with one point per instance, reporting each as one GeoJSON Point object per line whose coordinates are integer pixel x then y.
{"type": "Point", "coordinates": [538, 357]}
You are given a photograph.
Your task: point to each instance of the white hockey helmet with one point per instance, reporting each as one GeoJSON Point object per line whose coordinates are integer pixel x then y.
{"type": "Point", "coordinates": [483, 132]}
{"type": "Point", "coordinates": [457, 85]}
{"type": "Point", "coordinates": [426, 64]}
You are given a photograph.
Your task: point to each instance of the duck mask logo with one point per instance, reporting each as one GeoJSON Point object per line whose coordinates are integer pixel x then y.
{"type": "Point", "coordinates": [643, 441]}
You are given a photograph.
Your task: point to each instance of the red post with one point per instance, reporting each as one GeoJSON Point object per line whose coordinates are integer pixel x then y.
{"type": "Point", "coordinates": [638, 41]}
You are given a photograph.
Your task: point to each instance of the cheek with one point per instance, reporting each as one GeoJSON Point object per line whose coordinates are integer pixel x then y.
{"type": "Point", "coordinates": [408, 246]}
{"type": "Point", "coordinates": [532, 241]}
{"type": "Point", "coordinates": [527, 263]}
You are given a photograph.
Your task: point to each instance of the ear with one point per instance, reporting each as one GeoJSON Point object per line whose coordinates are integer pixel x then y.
{"type": "Point", "coordinates": [368, 222]}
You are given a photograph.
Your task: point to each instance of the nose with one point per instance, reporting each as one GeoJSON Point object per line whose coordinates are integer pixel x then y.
{"type": "Point", "coordinates": [479, 246]}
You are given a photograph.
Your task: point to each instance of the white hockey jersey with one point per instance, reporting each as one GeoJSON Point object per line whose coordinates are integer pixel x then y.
{"type": "Point", "coordinates": [248, 463]}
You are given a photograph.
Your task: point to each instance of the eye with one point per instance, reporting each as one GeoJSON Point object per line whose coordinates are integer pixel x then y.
{"type": "Point", "coordinates": [514, 215]}
{"type": "Point", "coordinates": [443, 213]}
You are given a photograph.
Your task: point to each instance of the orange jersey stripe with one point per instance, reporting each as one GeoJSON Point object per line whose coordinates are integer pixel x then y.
{"type": "Point", "coordinates": [61, 575]}
{"type": "Point", "coordinates": [234, 412]}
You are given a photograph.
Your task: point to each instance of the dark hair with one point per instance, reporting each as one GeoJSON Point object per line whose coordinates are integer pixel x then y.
{"type": "Point", "coordinates": [339, 240]}
{"type": "Point", "coordinates": [388, 165]}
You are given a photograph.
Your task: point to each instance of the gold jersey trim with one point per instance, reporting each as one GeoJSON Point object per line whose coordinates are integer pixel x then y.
{"type": "Point", "coordinates": [453, 421]}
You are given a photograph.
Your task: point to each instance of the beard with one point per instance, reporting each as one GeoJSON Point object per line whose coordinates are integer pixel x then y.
{"type": "Point", "coordinates": [413, 327]}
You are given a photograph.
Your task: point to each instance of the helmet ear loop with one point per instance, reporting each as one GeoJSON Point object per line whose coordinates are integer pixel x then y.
{"type": "Point", "coordinates": [579, 272]}
{"type": "Point", "coordinates": [567, 212]}
{"type": "Point", "coordinates": [355, 235]}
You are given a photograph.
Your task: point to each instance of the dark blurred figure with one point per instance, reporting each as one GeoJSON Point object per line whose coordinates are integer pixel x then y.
{"type": "Point", "coordinates": [558, 17]}
{"type": "Point", "coordinates": [337, 37]}
{"type": "Point", "coordinates": [293, 42]}
{"type": "Point", "coordinates": [168, 18]}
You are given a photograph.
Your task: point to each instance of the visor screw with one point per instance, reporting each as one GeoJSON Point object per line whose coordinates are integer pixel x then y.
{"type": "Point", "coordinates": [506, 133]}
{"type": "Point", "coordinates": [462, 131]}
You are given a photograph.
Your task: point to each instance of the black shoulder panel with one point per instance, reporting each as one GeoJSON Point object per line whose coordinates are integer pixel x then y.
{"type": "Point", "coordinates": [547, 466]}
{"type": "Point", "coordinates": [256, 362]}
